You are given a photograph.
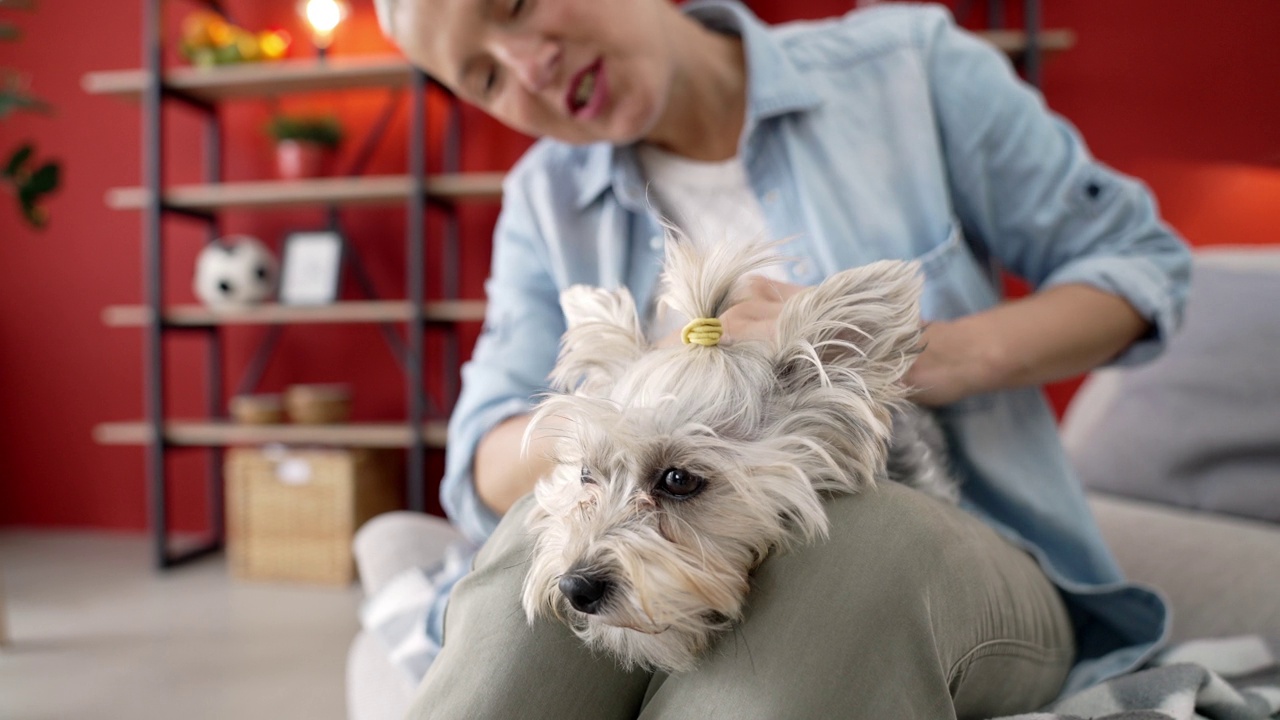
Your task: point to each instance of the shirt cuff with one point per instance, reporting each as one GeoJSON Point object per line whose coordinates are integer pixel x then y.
{"type": "Point", "coordinates": [1146, 287]}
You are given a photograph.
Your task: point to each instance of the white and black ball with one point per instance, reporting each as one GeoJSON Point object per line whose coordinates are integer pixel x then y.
{"type": "Point", "coordinates": [235, 271]}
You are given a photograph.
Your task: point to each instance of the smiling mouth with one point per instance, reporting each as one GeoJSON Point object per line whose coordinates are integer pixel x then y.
{"type": "Point", "coordinates": [584, 88]}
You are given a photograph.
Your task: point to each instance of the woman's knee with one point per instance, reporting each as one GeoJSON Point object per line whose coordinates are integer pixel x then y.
{"type": "Point", "coordinates": [382, 530]}
{"type": "Point", "coordinates": [393, 542]}
{"type": "Point", "coordinates": [896, 528]}
{"type": "Point", "coordinates": [896, 553]}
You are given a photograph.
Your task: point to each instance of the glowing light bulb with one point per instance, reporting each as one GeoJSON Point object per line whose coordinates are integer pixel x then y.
{"type": "Point", "coordinates": [323, 16]}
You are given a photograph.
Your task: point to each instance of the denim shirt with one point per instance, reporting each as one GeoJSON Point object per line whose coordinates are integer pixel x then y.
{"type": "Point", "coordinates": [887, 133]}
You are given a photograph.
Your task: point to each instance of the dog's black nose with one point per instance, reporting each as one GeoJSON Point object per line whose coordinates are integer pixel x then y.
{"type": "Point", "coordinates": [585, 592]}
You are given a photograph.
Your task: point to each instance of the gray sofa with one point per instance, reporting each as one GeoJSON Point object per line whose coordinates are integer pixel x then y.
{"type": "Point", "coordinates": [1220, 571]}
{"type": "Point", "coordinates": [1182, 456]}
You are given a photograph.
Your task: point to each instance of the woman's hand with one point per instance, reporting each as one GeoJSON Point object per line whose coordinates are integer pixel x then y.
{"type": "Point", "coordinates": [756, 317]}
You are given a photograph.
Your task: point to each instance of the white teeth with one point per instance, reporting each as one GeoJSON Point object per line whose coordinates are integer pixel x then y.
{"type": "Point", "coordinates": [585, 89]}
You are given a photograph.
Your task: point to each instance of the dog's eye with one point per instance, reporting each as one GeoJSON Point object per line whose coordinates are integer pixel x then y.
{"type": "Point", "coordinates": [586, 476]}
{"type": "Point", "coordinates": [679, 483]}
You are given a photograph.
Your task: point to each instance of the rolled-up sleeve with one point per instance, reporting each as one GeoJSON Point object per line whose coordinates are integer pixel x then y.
{"type": "Point", "coordinates": [1025, 184]}
{"type": "Point", "coordinates": [511, 361]}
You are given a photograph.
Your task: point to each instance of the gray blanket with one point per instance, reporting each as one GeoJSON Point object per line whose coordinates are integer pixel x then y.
{"type": "Point", "coordinates": [1222, 679]}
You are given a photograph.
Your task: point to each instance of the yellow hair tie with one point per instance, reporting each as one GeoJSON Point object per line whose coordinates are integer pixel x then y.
{"type": "Point", "coordinates": [702, 331]}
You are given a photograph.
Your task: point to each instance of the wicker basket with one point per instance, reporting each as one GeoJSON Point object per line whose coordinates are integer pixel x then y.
{"type": "Point", "coordinates": [257, 409]}
{"type": "Point", "coordinates": [318, 404]}
{"type": "Point", "coordinates": [291, 514]}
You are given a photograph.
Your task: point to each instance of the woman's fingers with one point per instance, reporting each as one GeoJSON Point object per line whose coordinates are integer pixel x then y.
{"type": "Point", "coordinates": [755, 317]}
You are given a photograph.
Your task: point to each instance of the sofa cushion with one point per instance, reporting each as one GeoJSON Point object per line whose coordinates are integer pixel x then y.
{"type": "Point", "coordinates": [1217, 572]}
{"type": "Point", "coordinates": [1198, 427]}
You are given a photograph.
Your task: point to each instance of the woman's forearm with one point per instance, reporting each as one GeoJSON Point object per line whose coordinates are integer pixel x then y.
{"type": "Point", "coordinates": [503, 474]}
{"type": "Point", "coordinates": [1054, 334]}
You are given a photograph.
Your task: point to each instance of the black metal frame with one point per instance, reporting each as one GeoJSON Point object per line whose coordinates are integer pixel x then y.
{"type": "Point", "coordinates": [1033, 58]}
{"type": "Point", "coordinates": [410, 353]}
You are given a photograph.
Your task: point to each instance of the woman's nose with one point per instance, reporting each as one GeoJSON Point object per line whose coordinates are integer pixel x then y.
{"type": "Point", "coordinates": [532, 58]}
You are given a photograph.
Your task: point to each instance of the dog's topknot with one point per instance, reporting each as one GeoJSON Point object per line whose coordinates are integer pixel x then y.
{"type": "Point", "coordinates": [702, 280]}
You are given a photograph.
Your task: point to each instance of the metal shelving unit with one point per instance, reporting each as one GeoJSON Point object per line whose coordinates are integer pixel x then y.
{"type": "Point", "coordinates": [153, 86]}
{"type": "Point", "coordinates": [1029, 46]}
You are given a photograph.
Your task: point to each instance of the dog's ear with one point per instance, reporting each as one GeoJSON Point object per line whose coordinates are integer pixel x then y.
{"type": "Point", "coordinates": [602, 340]}
{"type": "Point", "coordinates": [862, 324]}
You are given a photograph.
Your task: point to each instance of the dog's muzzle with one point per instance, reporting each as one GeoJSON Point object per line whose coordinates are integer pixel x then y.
{"type": "Point", "coordinates": [585, 592]}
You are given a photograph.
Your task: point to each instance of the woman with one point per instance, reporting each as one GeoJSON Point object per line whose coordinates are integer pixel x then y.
{"type": "Point", "coordinates": [888, 133]}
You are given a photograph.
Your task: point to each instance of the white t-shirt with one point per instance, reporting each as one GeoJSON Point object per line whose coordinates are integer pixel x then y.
{"type": "Point", "coordinates": [711, 202]}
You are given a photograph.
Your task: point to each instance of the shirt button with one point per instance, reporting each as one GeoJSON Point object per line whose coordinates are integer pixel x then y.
{"type": "Point", "coordinates": [771, 197]}
{"type": "Point", "coordinates": [655, 242]}
{"type": "Point", "coordinates": [800, 270]}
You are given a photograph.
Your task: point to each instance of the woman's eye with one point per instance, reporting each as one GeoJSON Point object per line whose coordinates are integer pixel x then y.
{"type": "Point", "coordinates": [517, 6]}
{"type": "Point", "coordinates": [680, 484]}
{"type": "Point", "coordinates": [586, 476]}
{"type": "Point", "coordinates": [490, 79]}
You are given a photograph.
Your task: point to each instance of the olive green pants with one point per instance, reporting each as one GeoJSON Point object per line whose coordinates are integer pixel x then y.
{"type": "Point", "coordinates": [911, 609]}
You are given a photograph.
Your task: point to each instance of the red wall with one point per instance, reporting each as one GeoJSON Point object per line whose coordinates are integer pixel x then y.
{"type": "Point", "coordinates": [1183, 100]}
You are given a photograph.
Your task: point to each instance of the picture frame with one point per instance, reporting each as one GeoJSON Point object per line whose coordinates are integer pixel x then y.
{"type": "Point", "coordinates": [311, 267]}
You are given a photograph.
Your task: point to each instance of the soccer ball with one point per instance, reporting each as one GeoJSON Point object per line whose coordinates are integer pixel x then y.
{"type": "Point", "coordinates": [235, 271]}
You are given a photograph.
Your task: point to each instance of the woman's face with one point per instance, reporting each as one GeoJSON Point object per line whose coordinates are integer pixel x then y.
{"type": "Point", "coordinates": [580, 71]}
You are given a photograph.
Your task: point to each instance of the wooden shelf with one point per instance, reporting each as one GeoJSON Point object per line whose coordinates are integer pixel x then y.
{"type": "Point", "coordinates": [364, 190]}
{"type": "Point", "coordinates": [195, 433]}
{"type": "Point", "coordinates": [307, 75]}
{"type": "Point", "coordinates": [258, 79]}
{"type": "Point", "coordinates": [373, 311]}
{"type": "Point", "coordinates": [1014, 42]}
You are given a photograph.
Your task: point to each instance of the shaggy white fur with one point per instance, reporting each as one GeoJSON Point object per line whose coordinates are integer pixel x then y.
{"type": "Point", "coordinates": [679, 469]}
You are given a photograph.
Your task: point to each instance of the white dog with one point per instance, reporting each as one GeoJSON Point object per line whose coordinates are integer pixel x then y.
{"type": "Point", "coordinates": [681, 468]}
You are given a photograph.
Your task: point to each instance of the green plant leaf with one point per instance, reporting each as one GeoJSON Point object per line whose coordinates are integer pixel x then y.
{"type": "Point", "coordinates": [324, 130]}
{"type": "Point", "coordinates": [31, 187]}
{"type": "Point", "coordinates": [45, 179]}
{"type": "Point", "coordinates": [18, 159]}
{"type": "Point", "coordinates": [35, 215]}
{"type": "Point", "coordinates": [12, 100]}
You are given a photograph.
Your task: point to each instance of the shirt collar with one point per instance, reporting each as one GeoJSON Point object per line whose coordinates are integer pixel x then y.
{"type": "Point", "coordinates": [774, 87]}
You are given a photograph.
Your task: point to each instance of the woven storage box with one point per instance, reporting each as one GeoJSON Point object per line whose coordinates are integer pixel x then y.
{"type": "Point", "coordinates": [291, 514]}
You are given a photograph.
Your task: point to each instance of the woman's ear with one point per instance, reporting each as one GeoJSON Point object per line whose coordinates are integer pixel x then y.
{"type": "Point", "coordinates": [602, 340]}
{"type": "Point", "coordinates": [862, 324]}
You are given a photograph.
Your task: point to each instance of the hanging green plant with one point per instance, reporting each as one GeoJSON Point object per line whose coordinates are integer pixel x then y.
{"type": "Point", "coordinates": [30, 180]}
{"type": "Point", "coordinates": [14, 96]}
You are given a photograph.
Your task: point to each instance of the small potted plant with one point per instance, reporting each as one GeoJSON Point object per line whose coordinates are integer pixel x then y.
{"type": "Point", "coordinates": [305, 146]}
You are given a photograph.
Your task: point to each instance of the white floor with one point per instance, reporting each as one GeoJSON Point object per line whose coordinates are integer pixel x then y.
{"type": "Point", "coordinates": [96, 633]}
